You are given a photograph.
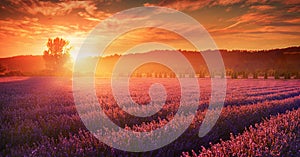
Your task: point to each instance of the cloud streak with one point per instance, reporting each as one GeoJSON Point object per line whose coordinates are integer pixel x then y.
{"type": "Point", "coordinates": [181, 5]}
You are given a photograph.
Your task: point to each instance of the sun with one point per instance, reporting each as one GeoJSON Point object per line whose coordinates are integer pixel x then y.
{"type": "Point", "coordinates": [75, 43]}
{"type": "Point", "coordinates": [73, 54]}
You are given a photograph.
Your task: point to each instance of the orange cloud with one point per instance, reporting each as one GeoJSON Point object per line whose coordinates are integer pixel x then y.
{"type": "Point", "coordinates": [146, 35]}
{"type": "Point", "coordinates": [257, 23]}
{"type": "Point", "coordinates": [262, 7]}
{"type": "Point", "coordinates": [255, 1]}
{"type": "Point", "coordinates": [295, 9]}
{"type": "Point", "coordinates": [61, 8]}
{"type": "Point", "coordinates": [181, 5]}
{"type": "Point", "coordinates": [248, 19]}
{"type": "Point", "coordinates": [48, 8]}
{"type": "Point", "coordinates": [191, 5]}
{"type": "Point", "coordinates": [291, 2]}
{"type": "Point", "coordinates": [225, 2]}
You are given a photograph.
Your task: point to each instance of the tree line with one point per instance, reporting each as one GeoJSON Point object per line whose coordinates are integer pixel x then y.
{"type": "Point", "coordinates": [276, 63]}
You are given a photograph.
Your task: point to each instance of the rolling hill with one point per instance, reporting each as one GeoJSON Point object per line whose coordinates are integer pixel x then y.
{"type": "Point", "coordinates": [280, 60]}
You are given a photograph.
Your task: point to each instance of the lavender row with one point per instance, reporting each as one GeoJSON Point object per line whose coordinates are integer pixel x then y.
{"type": "Point", "coordinates": [278, 136]}
{"type": "Point", "coordinates": [233, 119]}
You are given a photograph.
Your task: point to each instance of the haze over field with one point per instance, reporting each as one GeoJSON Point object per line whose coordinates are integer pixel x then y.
{"type": "Point", "coordinates": [286, 59]}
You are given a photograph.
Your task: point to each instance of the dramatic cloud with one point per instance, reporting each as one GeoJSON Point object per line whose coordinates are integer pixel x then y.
{"type": "Point", "coordinates": [291, 1]}
{"type": "Point", "coordinates": [256, 1]}
{"type": "Point", "coordinates": [181, 5]}
{"type": "Point", "coordinates": [225, 2]}
{"type": "Point", "coordinates": [295, 9]}
{"type": "Point", "coordinates": [60, 8]}
{"type": "Point", "coordinates": [262, 7]}
{"type": "Point", "coordinates": [192, 5]}
{"type": "Point", "coordinates": [48, 8]}
{"type": "Point", "coordinates": [25, 26]}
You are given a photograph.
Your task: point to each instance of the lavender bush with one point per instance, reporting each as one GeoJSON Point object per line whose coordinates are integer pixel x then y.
{"type": "Point", "coordinates": [278, 136]}
{"type": "Point", "coordinates": [38, 116]}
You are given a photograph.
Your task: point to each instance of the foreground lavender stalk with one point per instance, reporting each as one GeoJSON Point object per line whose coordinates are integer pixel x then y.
{"type": "Point", "coordinates": [278, 136]}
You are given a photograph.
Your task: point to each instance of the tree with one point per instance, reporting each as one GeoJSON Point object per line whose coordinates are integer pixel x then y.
{"type": "Point", "coordinates": [57, 55]}
{"type": "Point", "coordinates": [276, 75]}
{"type": "Point", "coordinates": [222, 75]}
{"type": "Point", "coordinates": [234, 75]}
{"type": "Point", "coordinates": [297, 75]}
{"type": "Point", "coordinates": [255, 75]}
{"type": "Point", "coordinates": [2, 68]}
{"type": "Point", "coordinates": [266, 75]}
{"type": "Point", "coordinates": [287, 75]}
{"type": "Point", "coordinates": [245, 75]}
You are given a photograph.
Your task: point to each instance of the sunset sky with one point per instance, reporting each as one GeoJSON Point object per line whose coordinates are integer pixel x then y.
{"type": "Point", "coordinates": [25, 26]}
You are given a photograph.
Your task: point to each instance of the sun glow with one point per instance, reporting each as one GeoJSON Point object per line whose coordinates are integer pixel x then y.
{"type": "Point", "coordinates": [75, 43]}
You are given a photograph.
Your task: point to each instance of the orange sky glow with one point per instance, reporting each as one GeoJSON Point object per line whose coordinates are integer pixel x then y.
{"type": "Point", "coordinates": [25, 26]}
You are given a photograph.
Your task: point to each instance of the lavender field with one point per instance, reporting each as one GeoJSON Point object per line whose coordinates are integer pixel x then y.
{"type": "Point", "coordinates": [39, 118]}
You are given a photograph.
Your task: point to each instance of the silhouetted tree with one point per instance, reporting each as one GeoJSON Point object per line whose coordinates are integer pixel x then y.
{"type": "Point", "coordinates": [255, 75]}
{"type": "Point", "coordinates": [234, 75]}
{"type": "Point", "coordinates": [266, 75]}
{"type": "Point", "coordinates": [222, 75]}
{"type": "Point", "coordinates": [2, 68]}
{"type": "Point", "coordinates": [297, 75]}
{"type": "Point", "coordinates": [276, 75]}
{"type": "Point", "coordinates": [212, 74]}
{"type": "Point", "coordinates": [201, 74]}
{"type": "Point", "coordinates": [14, 73]}
{"type": "Point", "coordinates": [58, 54]}
{"type": "Point", "coordinates": [245, 75]}
{"type": "Point", "coordinates": [287, 75]}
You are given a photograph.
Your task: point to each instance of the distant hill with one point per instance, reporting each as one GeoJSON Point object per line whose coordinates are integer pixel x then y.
{"type": "Point", "coordinates": [28, 65]}
{"type": "Point", "coordinates": [271, 61]}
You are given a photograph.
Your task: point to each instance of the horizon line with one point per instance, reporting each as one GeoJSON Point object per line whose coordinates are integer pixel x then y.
{"type": "Point", "coordinates": [220, 49]}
